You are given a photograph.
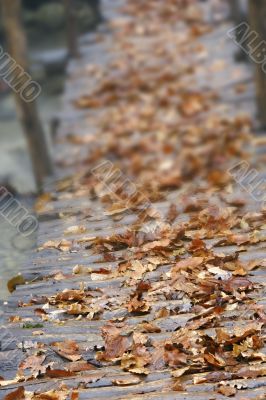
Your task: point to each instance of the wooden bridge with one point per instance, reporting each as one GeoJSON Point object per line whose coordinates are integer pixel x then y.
{"type": "Point", "coordinates": [149, 277]}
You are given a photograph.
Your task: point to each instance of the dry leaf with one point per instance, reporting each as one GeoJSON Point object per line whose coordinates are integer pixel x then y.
{"type": "Point", "coordinates": [68, 349]}
{"type": "Point", "coordinates": [18, 394]}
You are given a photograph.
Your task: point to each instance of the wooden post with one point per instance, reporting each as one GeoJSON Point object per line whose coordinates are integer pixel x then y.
{"type": "Point", "coordinates": [234, 10]}
{"type": "Point", "coordinates": [71, 29]}
{"type": "Point", "coordinates": [257, 19]}
{"type": "Point", "coordinates": [238, 10]}
{"type": "Point", "coordinates": [27, 110]}
{"type": "Point", "coordinates": [96, 7]}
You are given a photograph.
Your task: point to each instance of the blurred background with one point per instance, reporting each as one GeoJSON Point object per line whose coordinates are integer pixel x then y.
{"type": "Point", "coordinates": [45, 25]}
{"type": "Point", "coordinates": [46, 28]}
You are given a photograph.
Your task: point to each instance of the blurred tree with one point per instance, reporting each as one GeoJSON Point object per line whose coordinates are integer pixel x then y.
{"type": "Point", "coordinates": [239, 11]}
{"type": "Point", "coordinates": [71, 28]}
{"type": "Point", "coordinates": [257, 18]}
{"type": "Point", "coordinates": [96, 6]}
{"type": "Point", "coordinates": [235, 9]}
{"type": "Point", "coordinates": [27, 111]}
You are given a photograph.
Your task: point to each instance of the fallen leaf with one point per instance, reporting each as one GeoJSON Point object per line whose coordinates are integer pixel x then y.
{"type": "Point", "coordinates": [68, 349]}
{"type": "Point", "coordinates": [18, 394]}
{"type": "Point", "coordinates": [173, 357]}
{"type": "Point", "coordinates": [179, 372]}
{"type": "Point", "coordinates": [115, 343]}
{"type": "Point", "coordinates": [132, 380]}
{"type": "Point", "coordinates": [215, 359]}
{"type": "Point", "coordinates": [226, 390]}
{"type": "Point", "coordinates": [14, 282]}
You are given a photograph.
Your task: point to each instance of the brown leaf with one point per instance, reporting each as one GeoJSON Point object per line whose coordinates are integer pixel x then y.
{"type": "Point", "coordinates": [14, 282]}
{"type": "Point", "coordinates": [115, 343]}
{"type": "Point", "coordinates": [188, 263]}
{"type": "Point", "coordinates": [78, 366]}
{"type": "Point", "coordinates": [70, 295]}
{"type": "Point", "coordinates": [178, 387]}
{"type": "Point", "coordinates": [241, 238]}
{"type": "Point", "coordinates": [58, 373]}
{"type": "Point", "coordinates": [75, 230]}
{"type": "Point", "coordinates": [226, 390]}
{"type": "Point", "coordinates": [157, 244]}
{"type": "Point", "coordinates": [14, 319]}
{"type": "Point", "coordinates": [34, 363]}
{"type": "Point", "coordinates": [177, 373]}
{"type": "Point", "coordinates": [18, 394]}
{"type": "Point", "coordinates": [68, 349]}
{"type": "Point", "coordinates": [62, 245]}
{"type": "Point", "coordinates": [215, 359]}
{"type": "Point", "coordinates": [222, 336]}
{"type": "Point", "coordinates": [149, 327]}
{"type": "Point", "coordinates": [252, 371]}
{"type": "Point", "coordinates": [162, 313]}
{"type": "Point", "coordinates": [173, 357]}
{"type": "Point", "coordinates": [172, 213]}
{"type": "Point", "coordinates": [40, 311]}
{"type": "Point", "coordinates": [192, 104]}
{"type": "Point", "coordinates": [236, 283]}
{"type": "Point", "coordinates": [136, 303]}
{"type": "Point", "coordinates": [79, 309]}
{"type": "Point", "coordinates": [132, 380]}
{"type": "Point", "coordinates": [216, 376]}
{"type": "Point", "coordinates": [74, 395]}
{"type": "Point", "coordinates": [137, 360]}
{"type": "Point", "coordinates": [51, 395]}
